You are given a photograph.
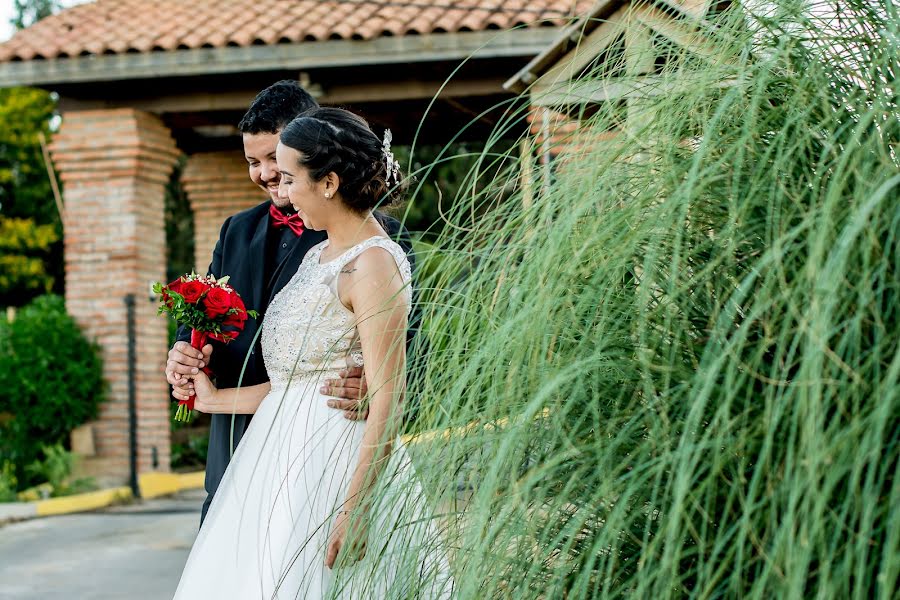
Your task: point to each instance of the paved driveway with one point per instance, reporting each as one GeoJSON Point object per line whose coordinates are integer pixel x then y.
{"type": "Point", "coordinates": [135, 552]}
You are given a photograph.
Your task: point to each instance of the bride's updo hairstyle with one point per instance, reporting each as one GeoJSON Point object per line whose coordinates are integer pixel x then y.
{"type": "Point", "coordinates": [336, 140]}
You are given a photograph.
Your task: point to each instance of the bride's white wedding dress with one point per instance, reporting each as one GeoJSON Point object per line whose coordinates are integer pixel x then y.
{"type": "Point", "coordinates": [267, 527]}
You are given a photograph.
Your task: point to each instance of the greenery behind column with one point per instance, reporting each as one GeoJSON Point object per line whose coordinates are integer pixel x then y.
{"type": "Point", "coordinates": [51, 381]}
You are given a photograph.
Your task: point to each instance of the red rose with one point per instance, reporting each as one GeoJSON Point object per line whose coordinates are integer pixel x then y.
{"type": "Point", "coordinates": [238, 315]}
{"type": "Point", "coordinates": [175, 287]}
{"type": "Point", "coordinates": [225, 336]}
{"type": "Point", "coordinates": [237, 303]}
{"type": "Point", "coordinates": [235, 319]}
{"type": "Point", "coordinates": [192, 291]}
{"type": "Point", "coordinates": [216, 303]}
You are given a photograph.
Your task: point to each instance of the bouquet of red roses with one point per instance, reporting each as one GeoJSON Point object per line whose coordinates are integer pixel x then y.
{"type": "Point", "coordinates": [210, 307]}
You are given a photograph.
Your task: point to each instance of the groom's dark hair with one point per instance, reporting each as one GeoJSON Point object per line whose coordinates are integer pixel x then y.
{"type": "Point", "coordinates": [275, 107]}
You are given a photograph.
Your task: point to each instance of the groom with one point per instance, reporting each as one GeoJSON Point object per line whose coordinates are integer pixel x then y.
{"type": "Point", "coordinates": [260, 249]}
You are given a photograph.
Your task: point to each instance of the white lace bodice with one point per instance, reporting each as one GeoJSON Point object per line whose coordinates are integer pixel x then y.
{"type": "Point", "coordinates": [269, 524]}
{"type": "Point", "coordinates": [306, 330]}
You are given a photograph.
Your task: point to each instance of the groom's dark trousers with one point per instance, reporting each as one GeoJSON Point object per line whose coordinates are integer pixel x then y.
{"type": "Point", "coordinates": [260, 260]}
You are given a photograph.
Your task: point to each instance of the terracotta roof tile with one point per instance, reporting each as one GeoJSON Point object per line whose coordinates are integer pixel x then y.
{"type": "Point", "coordinates": [423, 21]}
{"type": "Point", "coordinates": [475, 20]}
{"type": "Point", "coordinates": [351, 26]}
{"type": "Point", "coordinates": [450, 20]}
{"type": "Point", "coordinates": [122, 26]}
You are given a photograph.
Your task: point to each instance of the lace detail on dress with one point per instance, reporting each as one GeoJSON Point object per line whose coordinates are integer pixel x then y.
{"type": "Point", "coordinates": [306, 330]}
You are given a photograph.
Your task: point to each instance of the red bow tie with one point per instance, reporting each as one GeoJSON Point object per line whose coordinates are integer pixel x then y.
{"type": "Point", "coordinates": [279, 219]}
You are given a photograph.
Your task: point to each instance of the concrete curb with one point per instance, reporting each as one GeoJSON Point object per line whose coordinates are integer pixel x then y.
{"type": "Point", "coordinates": [152, 485]}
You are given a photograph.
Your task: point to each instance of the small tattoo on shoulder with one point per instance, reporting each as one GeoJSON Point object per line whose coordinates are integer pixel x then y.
{"type": "Point", "coordinates": [348, 271]}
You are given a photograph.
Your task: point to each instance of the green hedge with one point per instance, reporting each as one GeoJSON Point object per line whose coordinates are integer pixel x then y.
{"type": "Point", "coordinates": [50, 382]}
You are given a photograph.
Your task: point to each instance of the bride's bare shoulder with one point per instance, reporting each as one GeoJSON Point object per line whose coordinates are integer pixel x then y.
{"type": "Point", "coordinates": [376, 262]}
{"type": "Point", "coordinates": [372, 278]}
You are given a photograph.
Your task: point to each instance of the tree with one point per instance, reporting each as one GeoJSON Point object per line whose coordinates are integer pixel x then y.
{"type": "Point", "coordinates": [23, 269]}
{"type": "Point", "coordinates": [29, 12]}
{"type": "Point", "coordinates": [30, 224]}
{"type": "Point", "coordinates": [25, 191]}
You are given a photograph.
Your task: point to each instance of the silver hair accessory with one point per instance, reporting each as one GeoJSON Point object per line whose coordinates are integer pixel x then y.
{"type": "Point", "coordinates": [391, 164]}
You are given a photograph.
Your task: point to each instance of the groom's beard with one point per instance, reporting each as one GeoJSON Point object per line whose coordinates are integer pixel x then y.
{"type": "Point", "coordinates": [282, 203]}
{"type": "Point", "coordinates": [284, 206]}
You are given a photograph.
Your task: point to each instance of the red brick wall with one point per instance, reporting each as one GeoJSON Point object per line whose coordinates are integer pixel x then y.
{"type": "Point", "coordinates": [552, 130]}
{"type": "Point", "coordinates": [561, 138]}
{"type": "Point", "coordinates": [114, 165]}
{"type": "Point", "coordinates": [218, 186]}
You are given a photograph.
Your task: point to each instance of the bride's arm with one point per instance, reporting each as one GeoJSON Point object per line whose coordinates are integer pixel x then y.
{"type": "Point", "coordinates": [375, 292]}
{"type": "Point", "coordinates": [240, 401]}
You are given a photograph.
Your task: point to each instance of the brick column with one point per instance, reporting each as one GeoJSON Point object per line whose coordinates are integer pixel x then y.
{"type": "Point", "coordinates": [218, 186]}
{"type": "Point", "coordinates": [114, 165]}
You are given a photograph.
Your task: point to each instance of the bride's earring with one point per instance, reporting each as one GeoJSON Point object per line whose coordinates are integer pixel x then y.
{"type": "Point", "coordinates": [327, 195]}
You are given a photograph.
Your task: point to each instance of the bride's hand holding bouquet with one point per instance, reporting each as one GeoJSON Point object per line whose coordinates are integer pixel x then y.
{"type": "Point", "coordinates": [205, 393]}
{"type": "Point", "coordinates": [210, 307]}
{"type": "Point", "coordinates": [208, 398]}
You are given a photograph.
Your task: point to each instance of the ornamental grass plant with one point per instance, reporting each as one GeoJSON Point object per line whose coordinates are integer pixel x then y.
{"type": "Point", "coordinates": [671, 369]}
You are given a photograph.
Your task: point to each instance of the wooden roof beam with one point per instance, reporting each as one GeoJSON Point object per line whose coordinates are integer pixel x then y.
{"type": "Point", "coordinates": [591, 92]}
{"type": "Point", "coordinates": [685, 33]}
{"type": "Point", "coordinates": [349, 93]}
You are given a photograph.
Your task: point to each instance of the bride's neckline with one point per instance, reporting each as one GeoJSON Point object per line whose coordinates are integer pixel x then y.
{"type": "Point", "coordinates": [327, 243]}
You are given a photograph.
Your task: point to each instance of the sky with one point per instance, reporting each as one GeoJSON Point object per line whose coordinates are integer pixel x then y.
{"type": "Point", "coordinates": [6, 13]}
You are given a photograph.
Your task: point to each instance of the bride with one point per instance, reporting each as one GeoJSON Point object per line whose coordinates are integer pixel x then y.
{"type": "Point", "coordinates": [314, 505]}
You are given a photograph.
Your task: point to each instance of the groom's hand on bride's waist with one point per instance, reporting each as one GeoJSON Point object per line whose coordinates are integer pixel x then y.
{"type": "Point", "coordinates": [348, 393]}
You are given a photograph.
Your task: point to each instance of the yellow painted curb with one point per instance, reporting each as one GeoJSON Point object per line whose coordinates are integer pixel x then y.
{"type": "Point", "coordinates": [193, 481]}
{"type": "Point", "coordinates": [81, 502]}
{"type": "Point", "coordinates": [154, 485]}
{"type": "Point", "coordinates": [411, 439]}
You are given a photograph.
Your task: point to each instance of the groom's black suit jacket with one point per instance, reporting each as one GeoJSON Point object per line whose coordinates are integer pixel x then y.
{"type": "Point", "coordinates": [241, 254]}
